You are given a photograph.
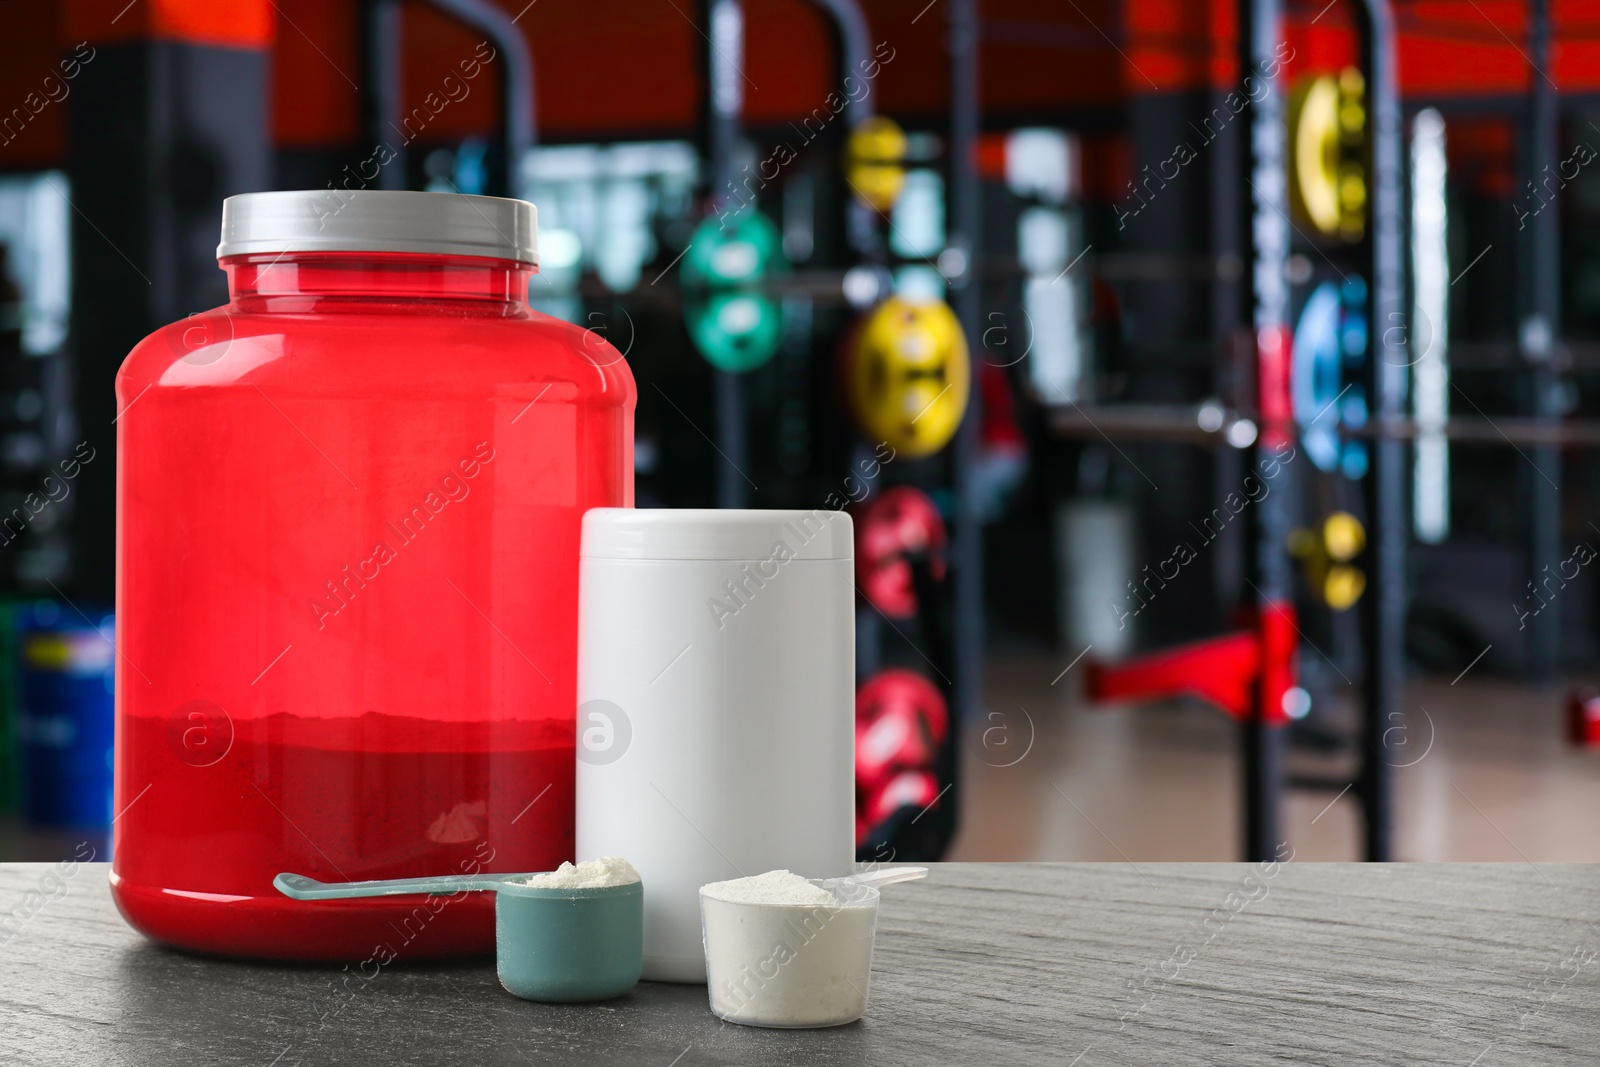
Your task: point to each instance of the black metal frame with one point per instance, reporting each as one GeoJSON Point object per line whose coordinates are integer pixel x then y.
{"type": "Point", "coordinates": [1265, 292]}
{"type": "Point", "coordinates": [966, 234]}
{"type": "Point", "coordinates": [382, 50]}
{"type": "Point", "coordinates": [1384, 607]}
{"type": "Point", "coordinates": [1264, 307]}
{"type": "Point", "coordinates": [1541, 307]}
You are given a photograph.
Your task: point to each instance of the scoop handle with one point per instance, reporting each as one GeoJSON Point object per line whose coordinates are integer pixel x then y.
{"type": "Point", "coordinates": [301, 887]}
{"type": "Point", "coordinates": [887, 876]}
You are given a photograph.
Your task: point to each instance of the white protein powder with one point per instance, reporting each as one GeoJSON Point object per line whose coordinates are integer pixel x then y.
{"type": "Point", "coordinates": [774, 887]}
{"type": "Point", "coordinates": [590, 874]}
{"type": "Point", "coordinates": [783, 952]}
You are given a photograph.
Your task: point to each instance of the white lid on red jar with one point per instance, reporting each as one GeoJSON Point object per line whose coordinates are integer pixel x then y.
{"type": "Point", "coordinates": [379, 220]}
{"type": "Point", "coordinates": [715, 534]}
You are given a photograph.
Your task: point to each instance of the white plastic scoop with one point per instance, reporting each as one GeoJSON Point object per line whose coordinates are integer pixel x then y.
{"type": "Point", "coordinates": [876, 879]}
{"type": "Point", "coordinates": [786, 951]}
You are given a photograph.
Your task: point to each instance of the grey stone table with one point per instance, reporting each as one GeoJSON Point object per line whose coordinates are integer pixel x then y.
{"type": "Point", "coordinates": [1069, 964]}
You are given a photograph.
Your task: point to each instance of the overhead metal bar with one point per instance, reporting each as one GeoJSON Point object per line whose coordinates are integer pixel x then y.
{"type": "Point", "coordinates": [518, 111]}
{"type": "Point", "coordinates": [383, 46]}
{"type": "Point", "coordinates": [855, 53]}
{"type": "Point", "coordinates": [1212, 425]}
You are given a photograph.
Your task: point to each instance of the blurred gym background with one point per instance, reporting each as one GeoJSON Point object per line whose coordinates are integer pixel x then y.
{"type": "Point", "coordinates": [1212, 382]}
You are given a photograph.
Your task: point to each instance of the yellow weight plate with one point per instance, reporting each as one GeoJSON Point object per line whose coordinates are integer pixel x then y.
{"type": "Point", "coordinates": [875, 157]}
{"type": "Point", "coordinates": [1343, 536]}
{"type": "Point", "coordinates": [1327, 129]}
{"type": "Point", "coordinates": [909, 376]}
{"type": "Point", "coordinates": [1343, 586]}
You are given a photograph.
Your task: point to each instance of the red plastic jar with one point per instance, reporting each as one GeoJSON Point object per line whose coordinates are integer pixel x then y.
{"type": "Point", "coordinates": [349, 508]}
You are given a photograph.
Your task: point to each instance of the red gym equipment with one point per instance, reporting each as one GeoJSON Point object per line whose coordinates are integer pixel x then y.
{"type": "Point", "coordinates": [900, 522]}
{"type": "Point", "coordinates": [1239, 672]}
{"type": "Point", "coordinates": [1583, 717]}
{"type": "Point", "coordinates": [1247, 674]}
{"type": "Point", "coordinates": [908, 789]}
{"type": "Point", "coordinates": [901, 722]}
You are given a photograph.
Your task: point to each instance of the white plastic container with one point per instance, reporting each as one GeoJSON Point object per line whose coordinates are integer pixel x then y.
{"type": "Point", "coordinates": [716, 663]}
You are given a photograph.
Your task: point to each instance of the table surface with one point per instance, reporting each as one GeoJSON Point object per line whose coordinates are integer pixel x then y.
{"type": "Point", "coordinates": [1069, 964]}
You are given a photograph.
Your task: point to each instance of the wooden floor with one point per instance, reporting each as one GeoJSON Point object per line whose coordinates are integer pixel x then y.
{"type": "Point", "coordinates": [1482, 773]}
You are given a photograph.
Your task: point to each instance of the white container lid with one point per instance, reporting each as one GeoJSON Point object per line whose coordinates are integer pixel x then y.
{"type": "Point", "coordinates": [379, 220]}
{"type": "Point", "coordinates": [713, 534]}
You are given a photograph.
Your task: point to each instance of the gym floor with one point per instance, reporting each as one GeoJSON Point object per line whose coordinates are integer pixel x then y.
{"type": "Point", "coordinates": [1159, 782]}
{"type": "Point", "coordinates": [1483, 772]}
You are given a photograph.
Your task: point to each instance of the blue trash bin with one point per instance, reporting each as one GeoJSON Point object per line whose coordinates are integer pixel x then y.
{"type": "Point", "coordinates": [64, 714]}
